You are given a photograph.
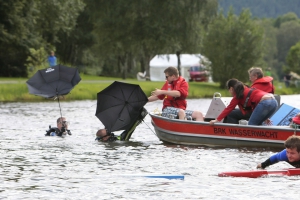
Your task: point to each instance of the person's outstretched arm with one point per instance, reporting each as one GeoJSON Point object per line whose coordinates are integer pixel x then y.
{"type": "Point", "coordinates": [281, 156]}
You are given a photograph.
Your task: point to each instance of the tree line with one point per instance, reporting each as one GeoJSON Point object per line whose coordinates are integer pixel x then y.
{"type": "Point", "coordinates": [119, 38]}
{"type": "Point", "coordinates": [262, 8]}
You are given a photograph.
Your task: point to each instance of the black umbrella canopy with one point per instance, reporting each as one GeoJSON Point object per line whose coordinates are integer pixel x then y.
{"type": "Point", "coordinates": [55, 81]}
{"type": "Point", "coordinates": [119, 104]}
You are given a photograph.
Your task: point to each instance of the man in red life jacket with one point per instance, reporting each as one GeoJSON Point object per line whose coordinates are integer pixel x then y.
{"type": "Point", "coordinates": [174, 93]}
{"type": "Point", "coordinates": [259, 81]}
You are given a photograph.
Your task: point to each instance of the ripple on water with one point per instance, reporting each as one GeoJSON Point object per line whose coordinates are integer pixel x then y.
{"type": "Point", "coordinates": [77, 167]}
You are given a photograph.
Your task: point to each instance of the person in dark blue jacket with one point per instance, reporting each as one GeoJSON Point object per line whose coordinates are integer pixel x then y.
{"type": "Point", "coordinates": [52, 59]}
{"type": "Point", "coordinates": [291, 154]}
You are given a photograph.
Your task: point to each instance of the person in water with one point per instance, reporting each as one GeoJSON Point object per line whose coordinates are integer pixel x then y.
{"type": "Point", "coordinates": [291, 154]}
{"type": "Point", "coordinates": [262, 104]}
{"type": "Point", "coordinates": [174, 93]}
{"type": "Point", "coordinates": [259, 81]}
{"type": "Point", "coordinates": [105, 136]}
{"type": "Point", "coordinates": [61, 129]}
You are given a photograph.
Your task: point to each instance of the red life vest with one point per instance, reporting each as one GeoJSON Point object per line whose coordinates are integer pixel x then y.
{"type": "Point", "coordinates": [178, 102]}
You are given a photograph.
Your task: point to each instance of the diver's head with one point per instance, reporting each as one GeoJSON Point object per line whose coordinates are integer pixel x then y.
{"type": "Point", "coordinates": [103, 135]}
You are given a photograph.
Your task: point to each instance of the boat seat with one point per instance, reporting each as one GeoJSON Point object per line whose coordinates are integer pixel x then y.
{"type": "Point", "coordinates": [283, 115]}
{"type": "Point", "coordinates": [217, 105]}
{"type": "Point", "coordinates": [277, 97]}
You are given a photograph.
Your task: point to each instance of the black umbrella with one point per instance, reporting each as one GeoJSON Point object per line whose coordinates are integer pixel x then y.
{"type": "Point", "coordinates": [53, 82]}
{"type": "Point", "coordinates": [119, 105]}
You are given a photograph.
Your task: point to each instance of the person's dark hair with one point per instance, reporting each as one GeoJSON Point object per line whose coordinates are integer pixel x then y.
{"type": "Point", "coordinates": [172, 71]}
{"type": "Point", "coordinates": [237, 86]}
{"type": "Point", "coordinates": [293, 142]}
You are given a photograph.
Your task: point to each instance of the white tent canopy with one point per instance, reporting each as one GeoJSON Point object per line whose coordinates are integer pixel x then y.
{"type": "Point", "coordinates": [160, 62]}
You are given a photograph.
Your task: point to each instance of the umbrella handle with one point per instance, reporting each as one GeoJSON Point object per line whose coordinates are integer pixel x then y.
{"type": "Point", "coordinates": [59, 108]}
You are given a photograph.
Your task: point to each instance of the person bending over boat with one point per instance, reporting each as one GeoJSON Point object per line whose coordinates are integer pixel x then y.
{"type": "Point", "coordinates": [61, 129]}
{"type": "Point", "coordinates": [291, 154]}
{"type": "Point", "coordinates": [256, 76]}
{"type": "Point", "coordinates": [262, 104]}
{"type": "Point", "coordinates": [174, 93]}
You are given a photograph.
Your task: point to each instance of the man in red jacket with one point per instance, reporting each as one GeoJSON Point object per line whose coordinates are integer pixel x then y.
{"type": "Point", "coordinates": [174, 93]}
{"type": "Point", "coordinates": [259, 81]}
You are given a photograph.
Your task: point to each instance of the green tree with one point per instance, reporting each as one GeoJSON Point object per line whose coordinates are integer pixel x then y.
{"type": "Point", "coordinates": [262, 8]}
{"type": "Point", "coordinates": [16, 36]}
{"type": "Point", "coordinates": [233, 44]}
{"type": "Point", "coordinates": [285, 18]}
{"type": "Point", "coordinates": [270, 45]}
{"type": "Point", "coordinates": [287, 36]}
{"type": "Point", "coordinates": [130, 29]}
{"type": "Point", "coordinates": [72, 46]}
{"type": "Point", "coordinates": [293, 58]}
{"type": "Point", "coordinates": [55, 16]}
{"type": "Point", "coordinates": [31, 24]}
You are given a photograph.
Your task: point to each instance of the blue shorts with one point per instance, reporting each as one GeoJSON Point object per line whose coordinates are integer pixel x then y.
{"type": "Point", "coordinates": [172, 113]}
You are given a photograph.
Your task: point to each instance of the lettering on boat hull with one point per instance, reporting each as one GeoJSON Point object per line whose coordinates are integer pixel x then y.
{"type": "Point", "coordinates": [246, 133]}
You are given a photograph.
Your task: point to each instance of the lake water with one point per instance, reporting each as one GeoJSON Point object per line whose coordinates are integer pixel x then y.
{"type": "Point", "coordinates": [77, 167]}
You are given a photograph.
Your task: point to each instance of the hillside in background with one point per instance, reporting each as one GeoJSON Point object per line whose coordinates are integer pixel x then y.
{"type": "Point", "coordinates": [262, 8]}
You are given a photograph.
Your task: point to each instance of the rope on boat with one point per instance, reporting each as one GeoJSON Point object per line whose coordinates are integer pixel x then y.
{"type": "Point", "coordinates": [150, 128]}
{"type": "Point", "coordinates": [295, 129]}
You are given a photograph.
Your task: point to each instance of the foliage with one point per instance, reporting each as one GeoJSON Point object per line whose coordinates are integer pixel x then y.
{"type": "Point", "coordinates": [39, 61]}
{"type": "Point", "coordinates": [233, 44]}
{"type": "Point", "coordinates": [270, 44]}
{"type": "Point", "coordinates": [262, 8]}
{"type": "Point", "coordinates": [31, 24]}
{"type": "Point", "coordinates": [280, 33]}
{"type": "Point", "coordinates": [74, 47]}
{"type": "Point", "coordinates": [277, 42]}
{"type": "Point", "coordinates": [287, 36]}
{"type": "Point", "coordinates": [16, 35]}
{"type": "Point", "coordinates": [285, 18]}
{"type": "Point", "coordinates": [293, 58]}
{"type": "Point", "coordinates": [130, 29]}
{"type": "Point", "coordinates": [119, 38]}
{"type": "Point", "coordinates": [15, 89]}
{"type": "Point", "coordinates": [55, 16]}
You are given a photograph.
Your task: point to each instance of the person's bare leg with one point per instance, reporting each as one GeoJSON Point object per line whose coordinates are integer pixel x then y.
{"type": "Point", "coordinates": [181, 114]}
{"type": "Point", "coordinates": [198, 116]}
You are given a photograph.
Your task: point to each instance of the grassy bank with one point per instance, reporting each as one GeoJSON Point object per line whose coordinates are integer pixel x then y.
{"type": "Point", "coordinates": [15, 89]}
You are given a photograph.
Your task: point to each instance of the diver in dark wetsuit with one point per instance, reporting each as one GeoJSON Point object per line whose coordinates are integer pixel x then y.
{"type": "Point", "coordinates": [104, 136]}
{"type": "Point", "coordinates": [290, 155]}
{"type": "Point", "coordinates": [61, 129]}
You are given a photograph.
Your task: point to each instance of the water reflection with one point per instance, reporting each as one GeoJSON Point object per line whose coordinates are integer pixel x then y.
{"type": "Point", "coordinates": [78, 167]}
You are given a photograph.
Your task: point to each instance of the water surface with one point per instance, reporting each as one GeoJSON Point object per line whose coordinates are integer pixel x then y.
{"type": "Point", "coordinates": [77, 167]}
